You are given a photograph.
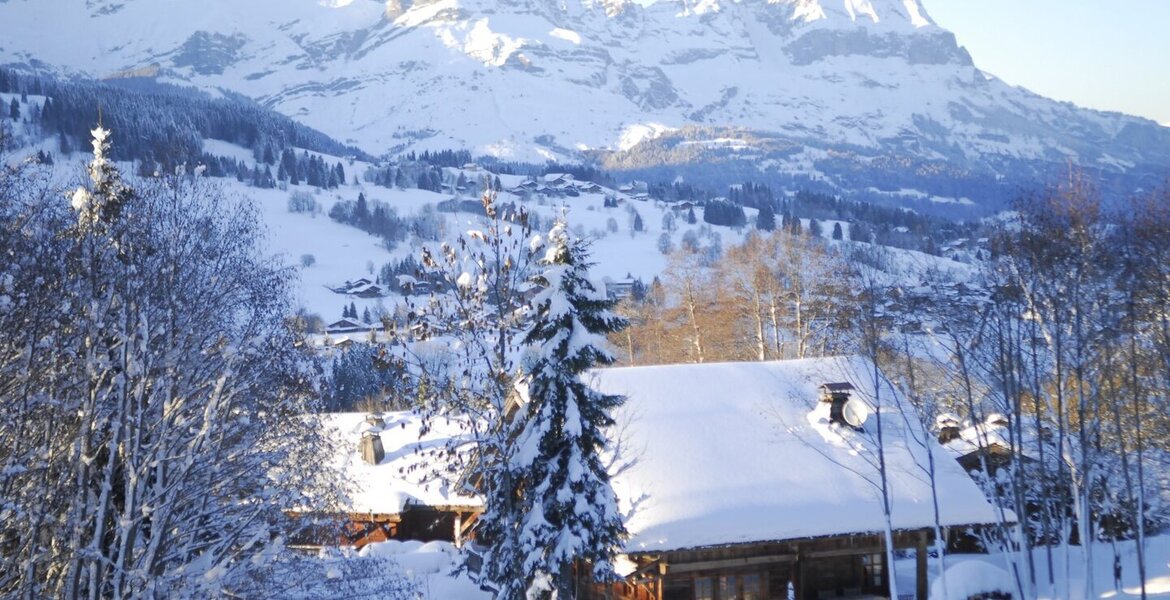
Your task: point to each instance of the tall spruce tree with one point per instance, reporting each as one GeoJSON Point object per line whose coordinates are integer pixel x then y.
{"type": "Point", "coordinates": [767, 218]}
{"type": "Point", "coordinates": [568, 511]}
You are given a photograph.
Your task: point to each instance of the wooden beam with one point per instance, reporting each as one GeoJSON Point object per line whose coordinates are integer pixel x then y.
{"type": "Point", "coordinates": [921, 575]}
{"type": "Point", "coordinates": [730, 563]}
{"type": "Point", "coordinates": [844, 552]}
{"type": "Point", "coordinates": [467, 522]}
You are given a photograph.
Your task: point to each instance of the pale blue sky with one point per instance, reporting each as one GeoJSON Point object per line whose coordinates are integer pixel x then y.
{"type": "Point", "coordinates": [1104, 54]}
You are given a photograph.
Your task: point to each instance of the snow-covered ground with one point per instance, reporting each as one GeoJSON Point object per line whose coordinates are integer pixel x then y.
{"type": "Point", "coordinates": [432, 566]}
{"type": "Point", "coordinates": [341, 253]}
{"type": "Point", "coordinates": [968, 574]}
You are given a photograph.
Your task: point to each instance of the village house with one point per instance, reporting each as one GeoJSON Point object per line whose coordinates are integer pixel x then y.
{"type": "Point", "coordinates": [398, 466]}
{"type": "Point", "coordinates": [361, 288]}
{"type": "Point", "coordinates": [738, 481]}
{"type": "Point", "coordinates": [741, 479]}
{"type": "Point", "coordinates": [346, 326]}
{"type": "Point", "coordinates": [987, 443]}
{"type": "Point", "coordinates": [620, 288]}
{"type": "Point", "coordinates": [349, 285]}
{"type": "Point", "coordinates": [558, 179]}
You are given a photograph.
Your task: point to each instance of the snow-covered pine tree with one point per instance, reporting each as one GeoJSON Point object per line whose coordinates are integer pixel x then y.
{"type": "Point", "coordinates": [153, 399]}
{"type": "Point", "coordinates": [567, 510]}
{"type": "Point", "coordinates": [461, 350]}
{"type": "Point", "coordinates": [766, 221]}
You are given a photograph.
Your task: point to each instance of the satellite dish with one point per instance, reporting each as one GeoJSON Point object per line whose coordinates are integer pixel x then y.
{"type": "Point", "coordinates": [855, 412]}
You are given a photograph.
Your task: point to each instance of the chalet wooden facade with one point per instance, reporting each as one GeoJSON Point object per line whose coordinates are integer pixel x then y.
{"type": "Point", "coordinates": [829, 567]}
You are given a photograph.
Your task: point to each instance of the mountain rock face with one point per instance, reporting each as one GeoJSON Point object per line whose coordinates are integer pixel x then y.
{"type": "Point", "coordinates": [798, 88]}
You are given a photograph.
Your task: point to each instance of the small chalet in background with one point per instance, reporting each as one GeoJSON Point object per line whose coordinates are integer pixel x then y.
{"type": "Point", "coordinates": [984, 444]}
{"type": "Point", "coordinates": [347, 326]}
{"type": "Point", "coordinates": [394, 464]}
{"type": "Point", "coordinates": [362, 288]}
{"type": "Point", "coordinates": [618, 289]}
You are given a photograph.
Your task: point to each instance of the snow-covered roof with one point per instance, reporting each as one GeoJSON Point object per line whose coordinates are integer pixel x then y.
{"type": "Point", "coordinates": [346, 324]}
{"type": "Point", "coordinates": [407, 474]}
{"type": "Point", "coordinates": [992, 431]}
{"type": "Point", "coordinates": [743, 452]}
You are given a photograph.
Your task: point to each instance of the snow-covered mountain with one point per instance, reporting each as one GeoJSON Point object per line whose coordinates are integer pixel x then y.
{"type": "Point", "coordinates": [811, 82]}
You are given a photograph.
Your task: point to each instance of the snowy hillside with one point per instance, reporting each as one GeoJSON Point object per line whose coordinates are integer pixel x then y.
{"type": "Point", "coordinates": [818, 80]}
{"type": "Point", "coordinates": [342, 253]}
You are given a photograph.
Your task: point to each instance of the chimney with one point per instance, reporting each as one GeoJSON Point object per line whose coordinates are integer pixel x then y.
{"type": "Point", "coordinates": [375, 422]}
{"type": "Point", "coordinates": [371, 448]}
{"type": "Point", "coordinates": [948, 428]}
{"type": "Point", "coordinates": [836, 394]}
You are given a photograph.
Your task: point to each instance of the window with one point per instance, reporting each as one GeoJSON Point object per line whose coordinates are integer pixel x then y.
{"type": "Point", "coordinates": [752, 590]}
{"type": "Point", "coordinates": [704, 588]}
{"type": "Point", "coordinates": [748, 586]}
{"type": "Point", "coordinates": [874, 569]}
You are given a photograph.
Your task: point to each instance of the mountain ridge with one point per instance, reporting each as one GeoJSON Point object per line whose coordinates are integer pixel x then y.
{"type": "Point", "coordinates": [537, 80]}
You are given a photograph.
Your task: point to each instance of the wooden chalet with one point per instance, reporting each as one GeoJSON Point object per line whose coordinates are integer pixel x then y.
{"type": "Point", "coordinates": [397, 467]}
{"type": "Point", "coordinates": [621, 288]}
{"type": "Point", "coordinates": [984, 444]}
{"type": "Point", "coordinates": [737, 480]}
{"type": "Point", "coordinates": [347, 326]}
{"type": "Point", "coordinates": [741, 479]}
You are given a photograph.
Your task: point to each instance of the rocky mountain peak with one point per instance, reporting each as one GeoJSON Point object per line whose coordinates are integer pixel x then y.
{"type": "Point", "coordinates": [567, 79]}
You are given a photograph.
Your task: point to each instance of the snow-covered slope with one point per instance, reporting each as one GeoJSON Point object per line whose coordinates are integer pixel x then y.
{"type": "Point", "coordinates": [536, 79]}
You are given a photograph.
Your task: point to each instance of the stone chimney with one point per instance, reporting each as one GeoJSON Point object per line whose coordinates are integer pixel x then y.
{"type": "Point", "coordinates": [371, 447]}
{"type": "Point", "coordinates": [836, 394]}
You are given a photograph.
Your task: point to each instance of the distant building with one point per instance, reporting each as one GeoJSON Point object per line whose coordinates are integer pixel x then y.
{"type": "Point", "coordinates": [621, 288]}
{"type": "Point", "coordinates": [346, 326]}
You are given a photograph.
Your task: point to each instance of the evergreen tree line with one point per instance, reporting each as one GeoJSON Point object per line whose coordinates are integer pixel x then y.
{"type": "Point", "coordinates": [408, 174]}
{"type": "Point", "coordinates": [722, 212]}
{"type": "Point", "coordinates": [755, 195]}
{"type": "Point", "coordinates": [309, 169]}
{"type": "Point", "coordinates": [360, 380]}
{"type": "Point", "coordinates": [440, 158]}
{"type": "Point", "coordinates": [678, 192]}
{"type": "Point", "coordinates": [166, 125]}
{"type": "Point", "coordinates": [376, 218]}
